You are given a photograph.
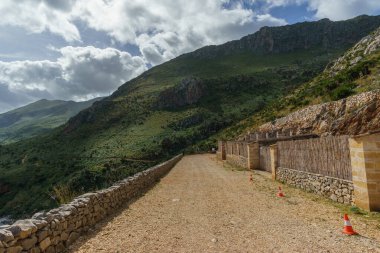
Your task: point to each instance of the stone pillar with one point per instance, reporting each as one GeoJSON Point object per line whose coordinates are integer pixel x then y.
{"type": "Point", "coordinates": [273, 159]}
{"type": "Point", "coordinates": [221, 150]}
{"type": "Point", "coordinates": [253, 155]}
{"type": "Point", "coordinates": [365, 162]}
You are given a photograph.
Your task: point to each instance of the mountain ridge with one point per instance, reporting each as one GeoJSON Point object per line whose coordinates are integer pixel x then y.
{"type": "Point", "coordinates": [38, 118]}
{"type": "Point", "coordinates": [263, 41]}
{"type": "Point", "coordinates": [343, 99]}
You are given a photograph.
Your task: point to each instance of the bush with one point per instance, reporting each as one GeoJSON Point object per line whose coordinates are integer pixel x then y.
{"type": "Point", "coordinates": [343, 91]}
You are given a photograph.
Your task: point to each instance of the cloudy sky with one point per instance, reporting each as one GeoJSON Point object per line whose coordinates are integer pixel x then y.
{"type": "Point", "coordinates": [81, 49]}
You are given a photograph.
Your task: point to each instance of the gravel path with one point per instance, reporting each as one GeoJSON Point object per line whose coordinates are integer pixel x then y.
{"type": "Point", "coordinates": [203, 206]}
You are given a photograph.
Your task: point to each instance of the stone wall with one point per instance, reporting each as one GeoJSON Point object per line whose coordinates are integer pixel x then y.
{"type": "Point", "coordinates": [336, 189]}
{"type": "Point", "coordinates": [55, 230]}
{"type": "Point", "coordinates": [237, 160]}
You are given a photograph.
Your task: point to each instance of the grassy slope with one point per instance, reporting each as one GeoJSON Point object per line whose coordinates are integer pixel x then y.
{"type": "Point", "coordinates": [102, 143]}
{"type": "Point", "coordinates": [37, 118]}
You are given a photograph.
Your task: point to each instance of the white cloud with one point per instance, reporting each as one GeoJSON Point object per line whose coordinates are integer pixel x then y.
{"type": "Point", "coordinates": [80, 73]}
{"type": "Point", "coordinates": [37, 16]}
{"type": "Point", "coordinates": [343, 9]}
{"type": "Point", "coordinates": [332, 9]}
{"type": "Point", "coordinates": [162, 29]}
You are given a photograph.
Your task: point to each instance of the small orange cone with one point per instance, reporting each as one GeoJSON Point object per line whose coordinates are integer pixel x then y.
{"type": "Point", "coordinates": [348, 230]}
{"type": "Point", "coordinates": [251, 178]}
{"type": "Point", "coordinates": [280, 193]}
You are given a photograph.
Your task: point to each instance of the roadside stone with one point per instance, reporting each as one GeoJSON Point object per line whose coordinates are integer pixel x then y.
{"type": "Point", "coordinates": [35, 250]}
{"type": "Point", "coordinates": [11, 243]}
{"type": "Point", "coordinates": [64, 236]}
{"type": "Point", "coordinates": [334, 197]}
{"type": "Point", "coordinates": [51, 249]}
{"type": "Point", "coordinates": [45, 244]}
{"type": "Point", "coordinates": [72, 237]}
{"type": "Point", "coordinates": [39, 223]}
{"type": "Point", "coordinates": [22, 228]}
{"type": "Point", "coordinates": [42, 235]}
{"type": "Point", "coordinates": [6, 236]}
{"type": "Point", "coordinates": [14, 249]}
{"type": "Point", "coordinates": [39, 216]}
{"type": "Point", "coordinates": [29, 242]}
{"type": "Point", "coordinates": [60, 247]}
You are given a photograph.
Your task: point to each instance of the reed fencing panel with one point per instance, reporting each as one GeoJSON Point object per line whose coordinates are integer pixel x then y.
{"type": "Point", "coordinates": [237, 148]}
{"type": "Point", "coordinates": [329, 156]}
{"type": "Point", "coordinates": [265, 158]}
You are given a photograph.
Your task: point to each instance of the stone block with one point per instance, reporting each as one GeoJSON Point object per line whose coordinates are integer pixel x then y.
{"type": "Point", "coordinates": [50, 249]}
{"type": "Point", "coordinates": [29, 243]}
{"type": "Point", "coordinates": [45, 244]}
{"type": "Point", "coordinates": [6, 235]}
{"type": "Point", "coordinates": [14, 249]}
{"type": "Point", "coordinates": [60, 247]}
{"type": "Point", "coordinates": [42, 234]}
{"type": "Point", "coordinates": [35, 250]}
{"type": "Point", "coordinates": [22, 228]}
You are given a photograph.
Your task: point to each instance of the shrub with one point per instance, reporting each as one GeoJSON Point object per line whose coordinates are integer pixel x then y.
{"type": "Point", "coordinates": [343, 91]}
{"type": "Point", "coordinates": [63, 194]}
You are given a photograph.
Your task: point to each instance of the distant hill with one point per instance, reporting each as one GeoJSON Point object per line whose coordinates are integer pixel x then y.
{"type": "Point", "coordinates": [38, 118]}
{"type": "Point", "coordinates": [181, 105]}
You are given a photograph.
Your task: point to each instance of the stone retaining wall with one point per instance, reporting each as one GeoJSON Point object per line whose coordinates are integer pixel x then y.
{"type": "Point", "coordinates": [338, 190]}
{"type": "Point", "coordinates": [57, 229]}
{"type": "Point", "coordinates": [237, 160]}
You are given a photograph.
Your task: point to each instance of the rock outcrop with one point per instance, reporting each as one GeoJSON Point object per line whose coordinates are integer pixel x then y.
{"type": "Point", "coordinates": [351, 116]}
{"type": "Point", "coordinates": [300, 36]}
{"type": "Point", "coordinates": [188, 92]}
{"type": "Point", "coordinates": [365, 46]}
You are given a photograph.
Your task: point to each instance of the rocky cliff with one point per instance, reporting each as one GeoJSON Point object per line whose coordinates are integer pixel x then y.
{"type": "Point", "coordinates": [188, 92]}
{"type": "Point", "coordinates": [351, 116]}
{"type": "Point", "coordinates": [366, 46]}
{"type": "Point", "coordinates": [324, 34]}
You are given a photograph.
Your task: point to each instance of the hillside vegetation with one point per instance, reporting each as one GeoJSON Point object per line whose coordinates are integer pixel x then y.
{"type": "Point", "coordinates": [180, 105]}
{"type": "Point", "coordinates": [38, 118]}
{"type": "Point", "coordinates": [356, 72]}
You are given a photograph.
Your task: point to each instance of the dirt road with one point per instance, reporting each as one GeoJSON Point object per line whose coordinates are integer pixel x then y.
{"type": "Point", "coordinates": [203, 206]}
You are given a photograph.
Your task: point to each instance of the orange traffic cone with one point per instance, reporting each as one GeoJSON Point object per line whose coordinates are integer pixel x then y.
{"type": "Point", "coordinates": [280, 193]}
{"type": "Point", "coordinates": [251, 178]}
{"type": "Point", "coordinates": [348, 230]}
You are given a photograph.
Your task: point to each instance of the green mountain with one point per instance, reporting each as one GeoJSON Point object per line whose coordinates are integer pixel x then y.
{"type": "Point", "coordinates": [343, 99]}
{"type": "Point", "coordinates": [180, 105]}
{"type": "Point", "coordinates": [38, 118]}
